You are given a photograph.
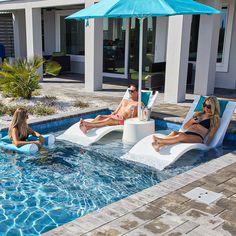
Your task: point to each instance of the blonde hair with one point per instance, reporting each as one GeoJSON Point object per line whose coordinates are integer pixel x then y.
{"type": "Point", "coordinates": [215, 110]}
{"type": "Point", "coordinates": [19, 121]}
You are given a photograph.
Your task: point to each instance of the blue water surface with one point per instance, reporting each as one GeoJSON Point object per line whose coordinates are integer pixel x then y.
{"type": "Point", "coordinates": [67, 181]}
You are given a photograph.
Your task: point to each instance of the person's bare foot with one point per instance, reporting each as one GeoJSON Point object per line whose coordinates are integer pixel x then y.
{"type": "Point", "coordinates": [156, 146]}
{"type": "Point", "coordinates": [155, 143]}
{"type": "Point", "coordinates": [83, 127]}
{"type": "Point", "coordinates": [154, 139]}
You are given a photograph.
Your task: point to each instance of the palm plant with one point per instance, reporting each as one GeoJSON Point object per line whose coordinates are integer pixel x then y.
{"type": "Point", "coordinates": [52, 68]}
{"type": "Point", "coordinates": [21, 78]}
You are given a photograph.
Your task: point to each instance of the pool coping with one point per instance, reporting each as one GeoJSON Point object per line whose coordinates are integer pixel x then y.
{"type": "Point", "coordinates": [61, 116]}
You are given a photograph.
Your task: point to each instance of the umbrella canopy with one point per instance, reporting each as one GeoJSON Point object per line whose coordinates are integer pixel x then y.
{"type": "Point", "coordinates": [142, 8]}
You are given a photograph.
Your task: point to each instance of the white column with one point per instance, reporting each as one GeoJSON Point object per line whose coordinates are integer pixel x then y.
{"type": "Point", "coordinates": [33, 32]}
{"type": "Point", "coordinates": [93, 53]}
{"type": "Point", "coordinates": [19, 33]}
{"type": "Point", "coordinates": [161, 39]}
{"type": "Point", "coordinates": [207, 53]}
{"type": "Point", "coordinates": [177, 58]}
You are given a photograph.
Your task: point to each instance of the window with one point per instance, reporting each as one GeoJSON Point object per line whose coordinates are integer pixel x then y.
{"type": "Point", "coordinates": [72, 36]}
{"type": "Point", "coordinates": [223, 23]}
{"type": "Point", "coordinates": [114, 45]}
{"type": "Point", "coordinates": [226, 25]}
{"type": "Point", "coordinates": [69, 34]}
{"type": "Point", "coordinates": [149, 33]}
{"type": "Point", "coordinates": [194, 38]}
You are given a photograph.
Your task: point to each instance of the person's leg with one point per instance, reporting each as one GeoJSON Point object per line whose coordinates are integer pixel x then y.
{"type": "Point", "coordinates": [173, 133]}
{"type": "Point", "coordinates": [157, 145]}
{"type": "Point", "coordinates": [91, 123]}
{"type": "Point", "coordinates": [99, 118]}
{"type": "Point", "coordinates": [85, 126]}
{"type": "Point", "coordinates": [179, 138]}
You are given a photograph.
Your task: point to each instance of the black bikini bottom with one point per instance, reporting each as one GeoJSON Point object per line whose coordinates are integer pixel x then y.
{"type": "Point", "coordinates": [192, 133]}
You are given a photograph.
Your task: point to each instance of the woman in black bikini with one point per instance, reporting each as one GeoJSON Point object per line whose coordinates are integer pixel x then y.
{"type": "Point", "coordinates": [202, 124]}
{"type": "Point", "coordinates": [19, 129]}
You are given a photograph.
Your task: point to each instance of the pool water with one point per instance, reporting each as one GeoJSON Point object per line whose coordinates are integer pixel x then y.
{"type": "Point", "coordinates": [67, 181]}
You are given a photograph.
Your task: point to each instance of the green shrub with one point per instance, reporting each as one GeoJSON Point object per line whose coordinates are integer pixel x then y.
{"type": "Point", "coordinates": [9, 110]}
{"type": "Point", "coordinates": [38, 109]}
{"type": "Point", "coordinates": [42, 110]}
{"type": "Point", "coordinates": [21, 78]}
{"type": "Point", "coordinates": [80, 104]}
{"type": "Point", "coordinates": [52, 68]}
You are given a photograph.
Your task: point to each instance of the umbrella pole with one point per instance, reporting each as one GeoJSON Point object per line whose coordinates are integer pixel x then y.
{"type": "Point", "coordinates": [140, 66]}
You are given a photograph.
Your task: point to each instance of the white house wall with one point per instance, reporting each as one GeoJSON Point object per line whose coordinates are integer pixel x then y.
{"type": "Point", "coordinates": [228, 79]}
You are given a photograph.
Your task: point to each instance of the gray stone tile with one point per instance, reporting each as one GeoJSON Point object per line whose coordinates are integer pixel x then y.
{"type": "Point", "coordinates": [202, 231]}
{"type": "Point", "coordinates": [163, 224]}
{"type": "Point", "coordinates": [184, 228]}
{"type": "Point", "coordinates": [226, 229]}
{"type": "Point", "coordinates": [229, 216]}
{"type": "Point", "coordinates": [202, 218]}
{"type": "Point", "coordinates": [212, 209]}
{"type": "Point", "coordinates": [226, 203]}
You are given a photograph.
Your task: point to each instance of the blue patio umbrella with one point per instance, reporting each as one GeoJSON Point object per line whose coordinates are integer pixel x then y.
{"type": "Point", "coordinates": [141, 9]}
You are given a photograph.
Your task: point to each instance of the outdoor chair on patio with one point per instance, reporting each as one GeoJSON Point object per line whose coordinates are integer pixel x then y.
{"type": "Point", "coordinates": [171, 153]}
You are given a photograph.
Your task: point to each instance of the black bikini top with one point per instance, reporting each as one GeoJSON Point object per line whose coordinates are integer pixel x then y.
{"type": "Point", "coordinates": [23, 138]}
{"type": "Point", "coordinates": [205, 123]}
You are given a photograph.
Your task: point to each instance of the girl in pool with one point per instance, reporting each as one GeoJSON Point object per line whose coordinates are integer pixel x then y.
{"type": "Point", "coordinates": [202, 124]}
{"type": "Point", "coordinates": [19, 129]}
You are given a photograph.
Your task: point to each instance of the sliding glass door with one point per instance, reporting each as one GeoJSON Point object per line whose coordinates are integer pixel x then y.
{"type": "Point", "coordinates": [149, 32]}
{"type": "Point", "coordinates": [114, 33]}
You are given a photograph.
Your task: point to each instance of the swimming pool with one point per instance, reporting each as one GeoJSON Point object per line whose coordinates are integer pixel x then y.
{"type": "Point", "coordinates": [39, 193]}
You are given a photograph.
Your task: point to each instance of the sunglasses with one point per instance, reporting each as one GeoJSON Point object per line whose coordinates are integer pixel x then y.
{"type": "Point", "coordinates": [208, 106]}
{"type": "Point", "coordinates": [131, 91]}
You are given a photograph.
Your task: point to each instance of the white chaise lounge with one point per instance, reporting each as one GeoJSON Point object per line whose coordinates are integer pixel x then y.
{"type": "Point", "coordinates": [171, 153]}
{"type": "Point", "coordinates": [75, 135]}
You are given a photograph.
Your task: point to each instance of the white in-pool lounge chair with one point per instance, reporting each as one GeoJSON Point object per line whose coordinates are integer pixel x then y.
{"type": "Point", "coordinates": [171, 153]}
{"type": "Point", "coordinates": [75, 135]}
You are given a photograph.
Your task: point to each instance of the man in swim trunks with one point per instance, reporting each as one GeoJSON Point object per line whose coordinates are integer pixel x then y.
{"type": "Point", "coordinates": [126, 109]}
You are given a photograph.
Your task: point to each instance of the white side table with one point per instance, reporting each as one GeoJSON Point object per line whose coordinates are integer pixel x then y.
{"type": "Point", "coordinates": [135, 130]}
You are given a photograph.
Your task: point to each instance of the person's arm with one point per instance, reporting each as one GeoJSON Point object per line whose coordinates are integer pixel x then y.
{"type": "Point", "coordinates": [117, 109]}
{"type": "Point", "coordinates": [36, 134]}
{"type": "Point", "coordinates": [17, 142]}
{"type": "Point", "coordinates": [132, 112]}
{"type": "Point", "coordinates": [192, 121]}
{"type": "Point", "coordinates": [213, 131]}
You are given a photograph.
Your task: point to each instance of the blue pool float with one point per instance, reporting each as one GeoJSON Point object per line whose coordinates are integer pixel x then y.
{"type": "Point", "coordinates": [6, 143]}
